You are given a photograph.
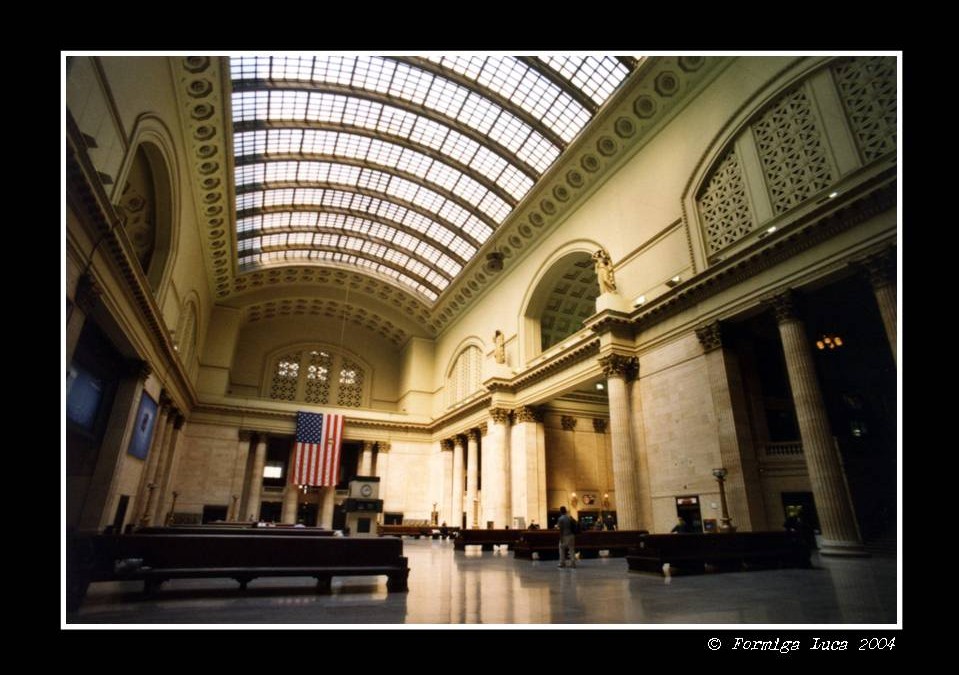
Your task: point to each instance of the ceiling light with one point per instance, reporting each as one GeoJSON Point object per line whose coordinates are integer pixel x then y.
{"type": "Point", "coordinates": [833, 195]}
{"type": "Point", "coordinates": [600, 386]}
{"type": "Point", "coordinates": [641, 300]}
{"type": "Point", "coordinates": [770, 230]}
{"type": "Point", "coordinates": [674, 281]}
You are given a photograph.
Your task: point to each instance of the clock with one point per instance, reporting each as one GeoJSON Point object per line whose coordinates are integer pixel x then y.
{"type": "Point", "coordinates": [366, 490]}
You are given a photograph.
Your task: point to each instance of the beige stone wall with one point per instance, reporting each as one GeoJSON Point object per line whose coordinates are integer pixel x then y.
{"type": "Point", "coordinates": [208, 461]}
{"type": "Point", "coordinates": [406, 488]}
{"type": "Point", "coordinates": [680, 425]}
{"type": "Point", "coordinates": [258, 340]}
{"type": "Point", "coordinates": [579, 461]}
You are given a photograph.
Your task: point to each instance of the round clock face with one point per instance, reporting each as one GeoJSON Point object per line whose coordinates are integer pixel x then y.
{"type": "Point", "coordinates": [366, 489]}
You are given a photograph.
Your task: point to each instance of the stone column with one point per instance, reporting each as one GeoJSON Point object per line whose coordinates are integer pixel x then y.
{"type": "Point", "coordinates": [619, 371]}
{"type": "Point", "coordinates": [498, 486]}
{"type": "Point", "coordinates": [256, 477]}
{"type": "Point", "coordinates": [167, 470]}
{"type": "Point", "coordinates": [382, 470]}
{"type": "Point", "coordinates": [528, 466]}
{"type": "Point", "coordinates": [445, 504]}
{"type": "Point", "coordinates": [736, 450]}
{"type": "Point", "coordinates": [95, 512]}
{"type": "Point", "coordinates": [881, 270]}
{"type": "Point", "coordinates": [84, 301]}
{"type": "Point", "coordinates": [472, 476]}
{"type": "Point", "coordinates": [459, 449]}
{"type": "Point", "coordinates": [291, 492]}
{"type": "Point", "coordinates": [237, 486]}
{"type": "Point", "coordinates": [839, 531]}
{"type": "Point", "coordinates": [328, 503]}
{"type": "Point", "coordinates": [366, 460]}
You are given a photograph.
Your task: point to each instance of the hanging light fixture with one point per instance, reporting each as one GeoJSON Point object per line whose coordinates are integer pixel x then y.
{"type": "Point", "coordinates": [829, 342]}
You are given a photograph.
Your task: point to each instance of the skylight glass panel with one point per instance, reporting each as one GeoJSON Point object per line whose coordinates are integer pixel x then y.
{"type": "Point", "coordinates": [305, 176]}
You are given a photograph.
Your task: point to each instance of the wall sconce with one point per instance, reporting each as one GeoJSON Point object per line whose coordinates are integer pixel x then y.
{"type": "Point", "coordinates": [573, 500]}
{"type": "Point", "coordinates": [828, 342]}
{"type": "Point", "coordinates": [725, 522]}
{"type": "Point", "coordinates": [606, 501]}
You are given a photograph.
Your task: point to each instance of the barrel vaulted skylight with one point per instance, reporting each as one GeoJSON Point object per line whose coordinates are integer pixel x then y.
{"type": "Point", "coordinates": [401, 166]}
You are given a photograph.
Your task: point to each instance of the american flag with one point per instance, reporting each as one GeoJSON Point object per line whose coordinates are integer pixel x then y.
{"type": "Point", "coordinates": [317, 459]}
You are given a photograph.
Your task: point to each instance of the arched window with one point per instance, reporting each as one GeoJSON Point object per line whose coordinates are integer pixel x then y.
{"type": "Point", "coordinates": [319, 376]}
{"type": "Point", "coordinates": [465, 376]}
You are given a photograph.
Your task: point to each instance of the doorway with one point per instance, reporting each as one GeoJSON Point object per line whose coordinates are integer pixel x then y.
{"type": "Point", "coordinates": [687, 508]}
{"type": "Point", "coordinates": [307, 514]}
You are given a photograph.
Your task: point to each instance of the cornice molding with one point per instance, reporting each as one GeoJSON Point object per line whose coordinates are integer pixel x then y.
{"type": "Point", "coordinates": [85, 193]}
{"type": "Point", "coordinates": [870, 198]}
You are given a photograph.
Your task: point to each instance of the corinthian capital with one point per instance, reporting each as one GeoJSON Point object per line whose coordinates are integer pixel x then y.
{"type": "Point", "coordinates": [784, 306]}
{"type": "Point", "coordinates": [527, 414]}
{"type": "Point", "coordinates": [710, 336]}
{"type": "Point", "coordinates": [499, 415]}
{"type": "Point", "coordinates": [619, 365]}
{"type": "Point", "coordinates": [880, 268]}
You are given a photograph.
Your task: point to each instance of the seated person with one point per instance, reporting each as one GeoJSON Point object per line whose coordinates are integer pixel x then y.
{"type": "Point", "coordinates": [681, 527]}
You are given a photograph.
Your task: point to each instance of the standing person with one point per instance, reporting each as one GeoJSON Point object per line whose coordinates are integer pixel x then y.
{"type": "Point", "coordinates": [567, 537]}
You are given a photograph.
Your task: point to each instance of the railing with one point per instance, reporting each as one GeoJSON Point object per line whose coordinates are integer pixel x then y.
{"type": "Point", "coordinates": [784, 449]}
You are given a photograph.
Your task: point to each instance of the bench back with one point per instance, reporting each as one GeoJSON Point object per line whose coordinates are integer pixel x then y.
{"type": "Point", "coordinates": [734, 542]}
{"type": "Point", "coordinates": [600, 539]}
{"type": "Point", "coordinates": [172, 551]}
{"type": "Point", "coordinates": [219, 530]}
{"type": "Point", "coordinates": [469, 537]}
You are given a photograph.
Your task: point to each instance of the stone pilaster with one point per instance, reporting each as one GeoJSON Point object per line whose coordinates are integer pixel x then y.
{"type": "Point", "coordinates": [472, 477]}
{"type": "Point", "coordinates": [256, 478]}
{"type": "Point", "coordinates": [291, 492]}
{"type": "Point", "coordinates": [383, 471]}
{"type": "Point", "coordinates": [736, 451]}
{"type": "Point", "coordinates": [619, 371]}
{"type": "Point", "coordinates": [840, 534]}
{"type": "Point", "coordinates": [238, 486]}
{"type": "Point", "coordinates": [167, 469]}
{"type": "Point", "coordinates": [881, 271]}
{"type": "Point", "coordinates": [145, 493]}
{"type": "Point", "coordinates": [456, 484]}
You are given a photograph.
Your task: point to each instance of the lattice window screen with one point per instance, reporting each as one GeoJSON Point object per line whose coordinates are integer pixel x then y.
{"type": "Point", "coordinates": [724, 206]}
{"type": "Point", "coordinates": [867, 87]}
{"type": "Point", "coordinates": [791, 151]}
{"type": "Point", "coordinates": [350, 392]}
{"type": "Point", "coordinates": [318, 371]}
{"type": "Point", "coordinates": [286, 376]}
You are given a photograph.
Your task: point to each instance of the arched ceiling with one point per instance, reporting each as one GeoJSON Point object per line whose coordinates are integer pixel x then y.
{"type": "Point", "coordinates": [398, 167]}
{"type": "Point", "coordinates": [571, 300]}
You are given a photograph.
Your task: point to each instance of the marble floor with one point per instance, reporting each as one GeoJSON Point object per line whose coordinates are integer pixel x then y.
{"type": "Point", "coordinates": [448, 587]}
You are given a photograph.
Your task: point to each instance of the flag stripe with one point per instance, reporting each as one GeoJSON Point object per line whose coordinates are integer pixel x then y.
{"type": "Point", "coordinates": [317, 457]}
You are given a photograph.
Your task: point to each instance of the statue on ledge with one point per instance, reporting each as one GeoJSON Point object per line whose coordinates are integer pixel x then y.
{"type": "Point", "coordinates": [499, 347]}
{"type": "Point", "coordinates": [604, 272]}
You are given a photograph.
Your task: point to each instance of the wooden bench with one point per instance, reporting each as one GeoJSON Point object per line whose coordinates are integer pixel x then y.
{"type": "Point", "coordinates": [242, 557]}
{"type": "Point", "coordinates": [487, 539]}
{"type": "Point", "coordinates": [255, 531]}
{"type": "Point", "coordinates": [416, 531]}
{"type": "Point", "coordinates": [588, 544]}
{"type": "Point", "coordinates": [698, 553]}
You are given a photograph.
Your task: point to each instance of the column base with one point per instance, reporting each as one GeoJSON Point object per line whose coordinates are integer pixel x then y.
{"type": "Point", "coordinates": [846, 549]}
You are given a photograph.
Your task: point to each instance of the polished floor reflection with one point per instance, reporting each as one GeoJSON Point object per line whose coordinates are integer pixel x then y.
{"type": "Point", "coordinates": [448, 587]}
